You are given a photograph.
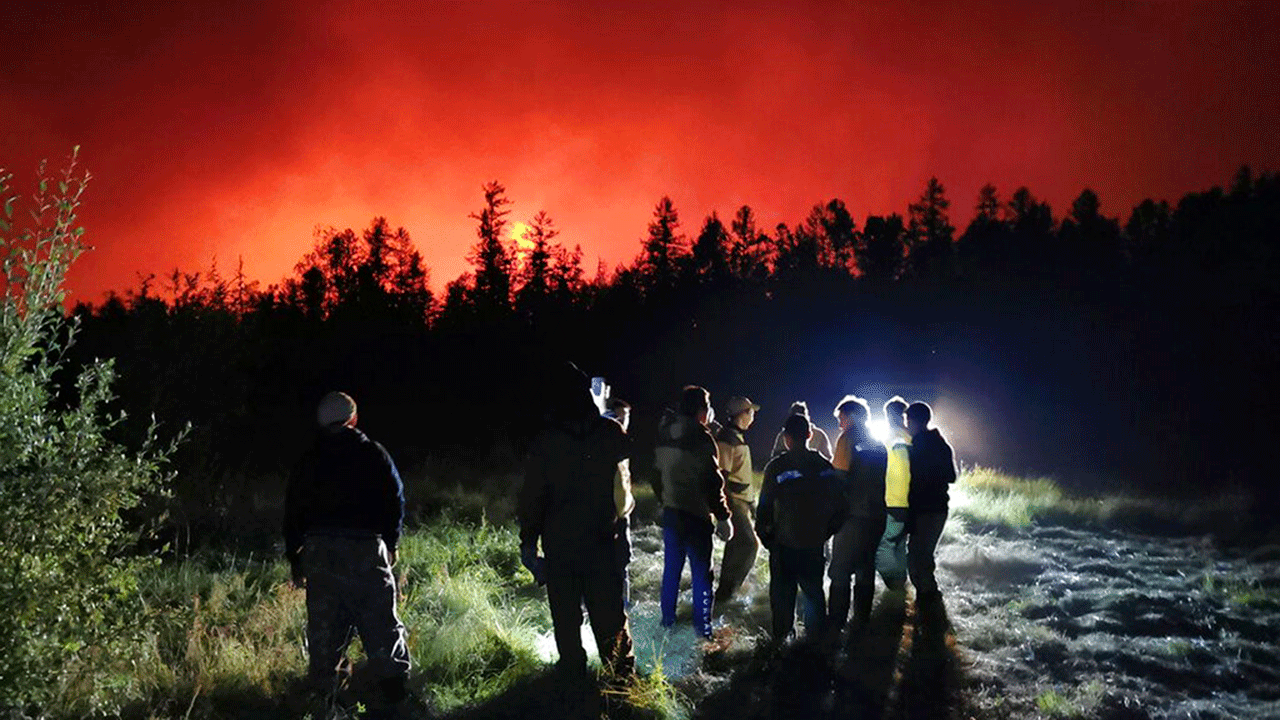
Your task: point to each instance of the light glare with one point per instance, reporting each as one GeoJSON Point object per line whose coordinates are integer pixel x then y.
{"type": "Point", "coordinates": [879, 430]}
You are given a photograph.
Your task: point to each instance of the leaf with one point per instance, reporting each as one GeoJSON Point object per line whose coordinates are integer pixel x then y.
{"type": "Point", "coordinates": [44, 185]}
{"type": "Point", "coordinates": [8, 206]}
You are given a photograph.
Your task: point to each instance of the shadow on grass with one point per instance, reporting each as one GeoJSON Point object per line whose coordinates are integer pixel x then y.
{"type": "Point", "coordinates": [549, 696]}
{"type": "Point", "coordinates": [899, 665]}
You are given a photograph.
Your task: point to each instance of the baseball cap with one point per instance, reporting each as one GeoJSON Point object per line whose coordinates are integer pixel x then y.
{"type": "Point", "coordinates": [738, 404]}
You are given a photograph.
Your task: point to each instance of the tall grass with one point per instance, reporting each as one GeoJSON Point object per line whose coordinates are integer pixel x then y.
{"type": "Point", "coordinates": [993, 497]}
{"type": "Point", "coordinates": [225, 636]}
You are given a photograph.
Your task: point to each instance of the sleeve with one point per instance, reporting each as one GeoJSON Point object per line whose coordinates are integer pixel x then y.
{"type": "Point", "coordinates": [392, 498]}
{"type": "Point", "coordinates": [532, 502]}
{"type": "Point", "coordinates": [714, 479]}
{"type": "Point", "coordinates": [778, 446]}
{"type": "Point", "coordinates": [842, 460]}
{"type": "Point", "coordinates": [948, 458]}
{"type": "Point", "coordinates": [764, 513]}
{"type": "Point", "coordinates": [623, 500]}
{"type": "Point", "coordinates": [839, 502]}
{"type": "Point", "coordinates": [295, 515]}
{"type": "Point", "coordinates": [732, 458]}
{"type": "Point", "coordinates": [824, 443]}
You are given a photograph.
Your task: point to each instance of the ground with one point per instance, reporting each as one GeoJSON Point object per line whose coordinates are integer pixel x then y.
{"type": "Point", "coordinates": [1049, 620]}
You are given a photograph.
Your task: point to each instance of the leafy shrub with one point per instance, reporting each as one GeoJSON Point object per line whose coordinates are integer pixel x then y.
{"type": "Point", "coordinates": [67, 573]}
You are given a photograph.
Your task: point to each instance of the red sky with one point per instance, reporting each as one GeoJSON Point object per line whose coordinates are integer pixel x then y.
{"type": "Point", "coordinates": [236, 127]}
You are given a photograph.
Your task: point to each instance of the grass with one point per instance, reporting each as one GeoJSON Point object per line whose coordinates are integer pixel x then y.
{"type": "Point", "coordinates": [224, 637]}
{"type": "Point", "coordinates": [988, 496]}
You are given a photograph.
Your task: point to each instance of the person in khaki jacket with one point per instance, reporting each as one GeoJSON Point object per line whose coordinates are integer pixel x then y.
{"type": "Point", "coordinates": [742, 489]}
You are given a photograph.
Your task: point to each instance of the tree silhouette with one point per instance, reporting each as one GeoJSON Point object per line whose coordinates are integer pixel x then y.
{"type": "Point", "coordinates": [710, 253]}
{"type": "Point", "coordinates": [931, 252]}
{"type": "Point", "coordinates": [882, 248]}
{"type": "Point", "coordinates": [750, 249]}
{"type": "Point", "coordinates": [1090, 242]}
{"type": "Point", "coordinates": [535, 271]}
{"type": "Point", "coordinates": [664, 247]}
{"type": "Point", "coordinates": [1032, 245]}
{"type": "Point", "coordinates": [986, 242]}
{"type": "Point", "coordinates": [493, 257]}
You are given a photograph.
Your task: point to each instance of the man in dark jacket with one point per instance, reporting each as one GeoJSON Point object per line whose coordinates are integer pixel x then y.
{"type": "Point", "coordinates": [567, 501]}
{"type": "Point", "coordinates": [691, 488]}
{"type": "Point", "coordinates": [862, 461]}
{"type": "Point", "coordinates": [343, 513]}
{"type": "Point", "coordinates": [933, 469]}
{"type": "Point", "coordinates": [801, 505]}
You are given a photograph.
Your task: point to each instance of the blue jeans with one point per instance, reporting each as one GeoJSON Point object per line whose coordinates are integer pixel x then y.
{"type": "Point", "coordinates": [788, 568]}
{"type": "Point", "coordinates": [891, 556]}
{"type": "Point", "coordinates": [686, 536]}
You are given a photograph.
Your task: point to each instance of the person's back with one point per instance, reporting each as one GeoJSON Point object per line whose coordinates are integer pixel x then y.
{"type": "Point", "coordinates": [694, 506]}
{"type": "Point", "coordinates": [801, 505]}
{"type": "Point", "coordinates": [568, 495]}
{"type": "Point", "coordinates": [932, 471]}
{"type": "Point", "coordinates": [805, 505]}
{"type": "Point", "coordinates": [346, 482]}
{"type": "Point", "coordinates": [568, 503]}
{"type": "Point", "coordinates": [343, 512]}
{"type": "Point", "coordinates": [686, 460]}
{"type": "Point", "coordinates": [866, 480]}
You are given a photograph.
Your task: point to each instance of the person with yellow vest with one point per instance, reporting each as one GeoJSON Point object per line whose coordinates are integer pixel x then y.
{"type": "Point", "coordinates": [891, 557]}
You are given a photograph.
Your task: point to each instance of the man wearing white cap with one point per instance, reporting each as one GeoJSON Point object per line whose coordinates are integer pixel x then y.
{"type": "Point", "coordinates": [742, 489]}
{"type": "Point", "coordinates": [343, 515]}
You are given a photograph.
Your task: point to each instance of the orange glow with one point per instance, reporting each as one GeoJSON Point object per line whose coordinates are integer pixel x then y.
{"type": "Point", "coordinates": [236, 133]}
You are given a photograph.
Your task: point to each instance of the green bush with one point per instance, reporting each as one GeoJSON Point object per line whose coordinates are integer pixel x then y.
{"type": "Point", "coordinates": [67, 570]}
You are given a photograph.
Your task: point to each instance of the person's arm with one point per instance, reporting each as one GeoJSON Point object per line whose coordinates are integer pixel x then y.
{"type": "Point", "coordinates": [842, 460]}
{"type": "Point", "coordinates": [713, 479]}
{"type": "Point", "coordinates": [531, 512]}
{"type": "Point", "coordinates": [295, 528]}
{"type": "Point", "coordinates": [732, 459]}
{"type": "Point", "coordinates": [531, 503]}
{"type": "Point", "coordinates": [392, 498]}
{"type": "Point", "coordinates": [825, 450]}
{"type": "Point", "coordinates": [623, 499]}
{"type": "Point", "coordinates": [949, 461]}
{"type": "Point", "coordinates": [839, 500]}
{"type": "Point", "coordinates": [764, 512]}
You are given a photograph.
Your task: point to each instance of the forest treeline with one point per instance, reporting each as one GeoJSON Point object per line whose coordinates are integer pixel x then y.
{"type": "Point", "coordinates": [1110, 351]}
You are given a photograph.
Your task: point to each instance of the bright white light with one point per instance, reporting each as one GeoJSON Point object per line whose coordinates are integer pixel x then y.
{"type": "Point", "coordinates": [879, 430]}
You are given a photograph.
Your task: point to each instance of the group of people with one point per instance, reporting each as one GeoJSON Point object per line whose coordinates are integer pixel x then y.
{"type": "Point", "coordinates": [864, 505]}
{"type": "Point", "coordinates": [853, 509]}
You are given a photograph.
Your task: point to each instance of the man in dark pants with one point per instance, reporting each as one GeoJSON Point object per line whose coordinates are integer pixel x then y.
{"type": "Point", "coordinates": [862, 462]}
{"type": "Point", "coordinates": [343, 513]}
{"type": "Point", "coordinates": [933, 469]}
{"type": "Point", "coordinates": [567, 502]}
{"type": "Point", "coordinates": [801, 505]}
